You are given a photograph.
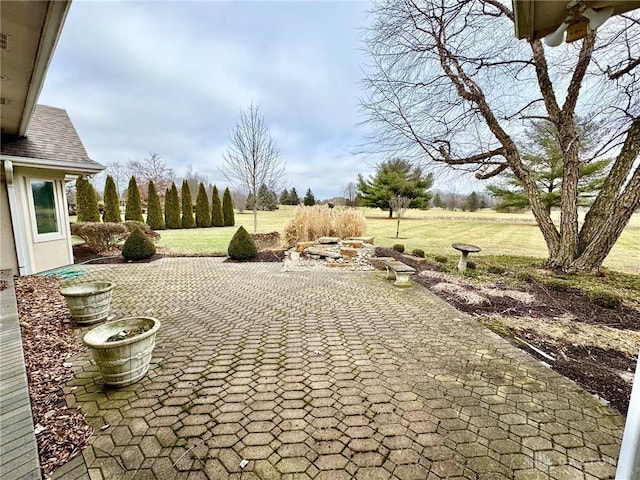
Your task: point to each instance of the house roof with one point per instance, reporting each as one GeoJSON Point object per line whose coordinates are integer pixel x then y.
{"type": "Point", "coordinates": [51, 141]}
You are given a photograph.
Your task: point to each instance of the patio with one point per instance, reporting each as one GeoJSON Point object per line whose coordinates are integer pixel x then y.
{"type": "Point", "coordinates": [326, 374]}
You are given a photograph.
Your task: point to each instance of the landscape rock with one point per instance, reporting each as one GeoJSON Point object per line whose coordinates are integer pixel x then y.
{"type": "Point", "coordinates": [301, 246]}
{"type": "Point", "coordinates": [328, 240]}
{"type": "Point", "coordinates": [348, 252]}
{"type": "Point", "coordinates": [321, 252]}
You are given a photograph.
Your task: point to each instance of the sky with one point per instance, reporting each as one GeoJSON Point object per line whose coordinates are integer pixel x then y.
{"type": "Point", "coordinates": [172, 78]}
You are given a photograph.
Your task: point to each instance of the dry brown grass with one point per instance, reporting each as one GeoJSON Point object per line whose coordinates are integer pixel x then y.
{"type": "Point", "coordinates": [311, 223]}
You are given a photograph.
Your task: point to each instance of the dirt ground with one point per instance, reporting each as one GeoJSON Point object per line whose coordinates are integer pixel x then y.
{"type": "Point", "coordinates": [594, 346]}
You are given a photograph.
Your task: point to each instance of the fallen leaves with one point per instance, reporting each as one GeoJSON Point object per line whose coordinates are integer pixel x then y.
{"type": "Point", "coordinates": [48, 343]}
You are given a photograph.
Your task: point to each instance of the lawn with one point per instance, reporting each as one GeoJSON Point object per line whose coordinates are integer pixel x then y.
{"type": "Point", "coordinates": [432, 230]}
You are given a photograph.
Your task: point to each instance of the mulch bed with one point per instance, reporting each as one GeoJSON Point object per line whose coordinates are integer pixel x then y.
{"type": "Point", "coordinates": [593, 368]}
{"type": "Point", "coordinates": [48, 343]}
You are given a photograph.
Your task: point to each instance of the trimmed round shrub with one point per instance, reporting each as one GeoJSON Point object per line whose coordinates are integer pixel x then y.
{"type": "Point", "coordinates": [138, 246]}
{"type": "Point", "coordinates": [242, 246]}
{"type": "Point", "coordinates": [605, 299]}
{"type": "Point", "coordinates": [441, 259]}
{"type": "Point", "coordinates": [398, 247]}
{"type": "Point", "coordinates": [417, 252]}
{"type": "Point", "coordinates": [496, 269]}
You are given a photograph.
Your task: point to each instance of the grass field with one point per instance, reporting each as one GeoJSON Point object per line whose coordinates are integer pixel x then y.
{"type": "Point", "coordinates": [432, 230]}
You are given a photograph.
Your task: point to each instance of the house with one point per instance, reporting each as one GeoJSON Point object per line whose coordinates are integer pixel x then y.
{"type": "Point", "coordinates": [33, 205]}
{"type": "Point", "coordinates": [40, 149]}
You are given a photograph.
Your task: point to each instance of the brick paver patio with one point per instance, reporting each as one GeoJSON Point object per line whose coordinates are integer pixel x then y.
{"type": "Point", "coordinates": [327, 375]}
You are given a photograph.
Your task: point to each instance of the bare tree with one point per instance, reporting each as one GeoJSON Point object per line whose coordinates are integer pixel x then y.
{"type": "Point", "coordinates": [399, 205]}
{"type": "Point", "coordinates": [449, 84]}
{"type": "Point", "coordinates": [152, 168]}
{"type": "Point", "coordinates": [195, 178]}
{"type": "Point", "coordinates": [239, 199]}
{"type": "Point", "coordinates": [253, 158]}
{"type": "Point", "coordinates": [350, 194]}
{"type": "Point", "coordinates": [120, 174]}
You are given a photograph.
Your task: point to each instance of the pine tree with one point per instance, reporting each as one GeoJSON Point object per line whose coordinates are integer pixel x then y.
{"type": "Point", "coordinates": [309, 199]}
{"type": "Point", "coordinates": [437, 201]}
{"type": "Point", "coordinates": [227, 209]}
{"type": "Point", "coordinates": [172, 208]}
{"type": "Point", "coordinates": [111, 202]}
{"type": "Point", "coordinates": [133, 209]}
{"type": "Point", "coordinates": [87, 201]}
{"type": "Point", "coordinates": [187, 207]}
{"type": "Point", "coordinates": [472, 202]}
{"type": "Point", "coordinates": [250, 201]}
{"type": "Point", "coordinates": [267, 199]}
{"type": "Point", "coordinates": [203, 214]}
{"type": "Point", "coordinates": [284, 197]}
{"type": "Point", "coordinates": [217, 216]}
{"type": "Point", "coordinates": [154, 209]}
{"type": "Point", "coordinates": [293, 197]}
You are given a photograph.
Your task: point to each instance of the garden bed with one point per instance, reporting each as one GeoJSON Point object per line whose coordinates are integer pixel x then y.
{"type": "Point", "coordinates": [594, 346]}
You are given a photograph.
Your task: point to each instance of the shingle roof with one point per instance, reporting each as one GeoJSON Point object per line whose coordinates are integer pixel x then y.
{"type": "Point", "coordinates": [51, 137]}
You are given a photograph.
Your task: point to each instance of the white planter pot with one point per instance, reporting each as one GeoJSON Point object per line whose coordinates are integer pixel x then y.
{"type": "Point", "coordinates": [89, 302]}
{"type": "Point", "coordinates": [123, 362]}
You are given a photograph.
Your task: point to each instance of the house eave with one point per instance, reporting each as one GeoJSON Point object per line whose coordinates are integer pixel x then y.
{"type": "Point", "coordinates": [56, 15]}
{"type": "Point", "coordinates": [67, 167]}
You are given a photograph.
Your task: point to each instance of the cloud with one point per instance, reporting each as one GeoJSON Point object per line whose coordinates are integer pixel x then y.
{"type": "Point", "coordinates": [172, 77]}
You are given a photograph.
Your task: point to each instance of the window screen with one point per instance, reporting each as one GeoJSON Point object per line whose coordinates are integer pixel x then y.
{"type": "Point", "coordinates": [45, 206]}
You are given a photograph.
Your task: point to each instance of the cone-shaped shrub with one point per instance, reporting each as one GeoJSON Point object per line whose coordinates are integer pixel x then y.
{"type": "Point", "coordinates": [217, 217]}
{"type": "Point", "coordinates": [242, 246]}
{"type": "Point", "coordinates": [172, 208]}
{"type": "Point", "coordinates": [133, 210]}
{"type": "Point", "coordinates": [187, 207]}
{"type": "Point", "coordinates": [138, 246]}
{"type": "Point", "coordinates": [154, 209]}
{"type": "Point", "coordinates": [203, 214]}
{"type": "Point", "coordinates": [111, 202]}
{"type": "Point", "coordinates": [227, 209]}
{"type": "Point", "coordinates": [87, 201]}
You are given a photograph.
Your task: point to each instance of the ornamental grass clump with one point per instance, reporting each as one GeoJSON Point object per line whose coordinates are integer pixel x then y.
{"type": "Point", "coordinates": [349, 222]}
{"type": "Point", "coordinates": [242, 246]}
{"type": "Point", "coordinates": [312, 222]}
{"type": "Point", "coordinates": [138, 246]}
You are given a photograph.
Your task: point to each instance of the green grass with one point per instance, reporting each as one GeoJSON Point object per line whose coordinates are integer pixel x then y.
{"type": "Point", "coordinates": [432, 231]}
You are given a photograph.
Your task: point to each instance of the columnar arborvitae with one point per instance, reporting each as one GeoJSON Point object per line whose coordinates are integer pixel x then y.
{"type": "Point", "coordinates": [203, 214]}
{"type": "Point", "coordinates": [154, 209]}
{"type": "Point", "coordinates": [172, 208]}
{"type": "Point", "coordinates": [87, 201]}
{"type": "Point", "coordinates": [187, 207]}
{"type": "Point", "coordinates": [111, 202]}
{"type": "Point", "coordinates": [227, 209]}
{"type": "Point", "coordinates": [217, 217]}
{"type": "Point", "coordinates": [133, 209]}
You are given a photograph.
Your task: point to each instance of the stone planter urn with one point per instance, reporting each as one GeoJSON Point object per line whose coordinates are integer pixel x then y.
{"type": "Point", "coordinates": [89, 302]}
{"type": "Point", "coordinates": [122, 348]}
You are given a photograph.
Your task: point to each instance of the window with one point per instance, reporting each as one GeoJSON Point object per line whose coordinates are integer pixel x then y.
{"type": "Point", "coordinates": [44, 204]}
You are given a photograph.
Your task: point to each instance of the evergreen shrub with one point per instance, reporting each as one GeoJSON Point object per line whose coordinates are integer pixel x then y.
{"type": "Point", "coordinates": [227, 209]}
{"type": "Point", "coordinates": [203, 214]}
{"type": "Point", "coordinates": [155, 218]}
{"type": "Point", "coordinates": [172, 208]}
{"type": "Point", "coordinates": [441, 259]}
{"type": "Point", "coordinates": [398, 247]}
{"type": "Point", "coordinates": [133, 209]}
{"type": "Point", "coordinates": [138, 246]}
{"type": "Point", "coordinates": [217, 215]}
{"type": "Point", "coordinates": [86, 201]}
{"type": "Point", "coordinates": [111, 202]}
{"type": "Point", "coordinates": [188, 221]}
{"type": "Point", "coordinates": [417, 252]}
{"type": "Point", "coordinates": [242, 246]}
